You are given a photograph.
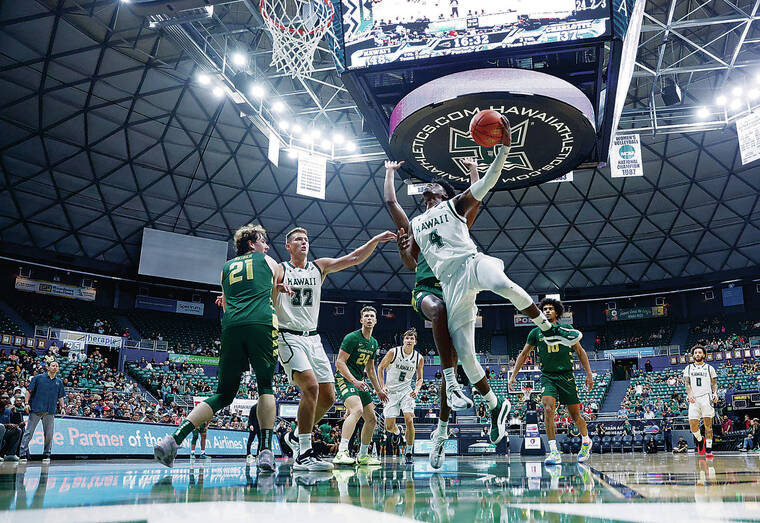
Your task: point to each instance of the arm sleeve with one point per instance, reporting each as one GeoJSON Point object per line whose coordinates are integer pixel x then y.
{"type": "Point", "coordinates": [480, 188]}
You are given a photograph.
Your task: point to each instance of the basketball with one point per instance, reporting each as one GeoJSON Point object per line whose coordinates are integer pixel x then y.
{"type": "Point", "coordinates": [485, 127]}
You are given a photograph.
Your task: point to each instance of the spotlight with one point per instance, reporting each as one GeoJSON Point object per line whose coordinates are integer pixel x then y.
{"type": "Point", "coordinates": [218, 92]}
{"type": "Point", "coordinates": [204, 79]}
{"type": "Point", "coordinates": [326, 144]}
{"type": "Point", "coordinates": [284, 125]}
{"type": "Point", "coordinates": [307, 138]}
{"type": "Point", "coordinates": [752, 94]}
{"type": "Point", "coordinates": [338, 138]}
{"type": "Point", "coordinates": [297, 129]}
{"type": "Point", "coordinates": [316, 133]}
{"type": "Point", "coordinates": [721, 100]}
{"type": "Point", "coordinates": [736, 91]}
{"type": "Point", "coordinates": [735, 104]}
{"type": "Point", "coordinates": [292, 153]}
{"type": "Point", "coordinates": [238, 59]}
{"type": "Point", "coordinates": [703, 112]}
{"type": "Point", "coordinates": [278, 107]}
{"type": "Point", "coordinates": [257, 91]}
{"type": "Point", "coordinates": [351, 146]}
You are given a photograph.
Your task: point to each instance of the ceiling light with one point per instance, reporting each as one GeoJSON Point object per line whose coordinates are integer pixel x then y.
{"type": "Point", "coordinates": [218, 91]}
{"type": "Point", "coordinates": [338, 138]}
{"type": "Point", "coordinates": [326, 144]}
{"type": "Point", "coordinates": [292, 153]}
{"type": "Point", "coordinates": [752, 94]}
{"type": "Point", "coordinates": [735, 104]}
{"type": "Point", "coordinates": [351, 146]}
{"type": "Point", "coordinates": [703, 112]}
{"type": "Point", "coordinates": [316, 133]}
{"type": "Point", "coordinates": [284, 125]}
{"type": "Point", "coordinates": [238, 59]}
{"type": "Point", "coordinates": [307, 138]}
{"type": "Point", "coordinates": [721, 100]}
{"type": "Point", "coordinates": [257, 91]}
{"type": "Point", "coordinates": [297, 129]}
{"type": "Point", "coordinates": [736, 91]}
{"type": "Point", "coordinates": [204, 79]}
{"type": "Point", "coordinates": [278, 106]}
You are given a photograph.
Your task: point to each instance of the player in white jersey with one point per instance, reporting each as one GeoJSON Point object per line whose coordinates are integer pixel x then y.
{"type": "Point", "coordinates": [300, 347]}
{"type": "Point", "coordinates": [442, 236]}
{"type": "Point", "coordinates": [701, 383]}
{"type": "Point", "coordinates": [401, 364]}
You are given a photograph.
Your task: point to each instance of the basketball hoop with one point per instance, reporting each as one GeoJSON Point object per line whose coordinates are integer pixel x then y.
{"type": "Point", "coordinates": [296, 27]}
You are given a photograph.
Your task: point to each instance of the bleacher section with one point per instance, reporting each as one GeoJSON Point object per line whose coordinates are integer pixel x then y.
{"type": "Point", "coordinates": [634, 333]}
{"type": "Point", "coordinates": [8, 326]}
{"type": "Point", "coordinates": [179, 330]}
{"type": "Point", "coordinates": [723, 331]}
{"type": "Point", "coordinates": [64, 313]}
{"type": "Point", "coordinates": [165, 382]}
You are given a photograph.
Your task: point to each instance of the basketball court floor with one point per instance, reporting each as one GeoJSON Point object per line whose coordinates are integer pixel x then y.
{"type": "Point", "coordinates": [610, 488]}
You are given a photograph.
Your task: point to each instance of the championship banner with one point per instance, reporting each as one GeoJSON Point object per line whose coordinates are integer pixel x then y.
{"type": "Point", "coordinates": [748, 132]}
{"type": "Point", "coordinates": [636, 313]}
{"type": "Point", "coordinates": [55, 289]}
{"type": "Point", "coordinates": [521, 320]}
{"type": "Point", "coordinates": [96, 437]}
{"type": "Point", "coordinates": [625, 156]}
{"type": "Point", "coordinates": [192, 358]}
{"type": "Point", "coordinates": [166, 305]}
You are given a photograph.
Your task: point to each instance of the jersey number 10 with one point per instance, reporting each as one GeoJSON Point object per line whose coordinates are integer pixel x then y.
{"type": "Point", "coordinates": [552, 348]}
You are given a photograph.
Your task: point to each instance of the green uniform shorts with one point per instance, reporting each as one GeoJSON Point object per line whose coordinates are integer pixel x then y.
{"type": "Point", "coordinates": [560, 386]}
{"type": "Point", "coordinates": [254, 344]}
{"type": "Point", "coordinates": [346, 389]}
{"type": "Point", "coordinates": [418, 294]}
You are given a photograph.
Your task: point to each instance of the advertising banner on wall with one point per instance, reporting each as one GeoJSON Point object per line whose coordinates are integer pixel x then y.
{"type": "Point", "coordinates": [192, 358]}
{"type": "Point", "coordinates": [636, 313]}
{"type": "Point", "coordinates": [98, 437]}
{"type": "Point", "coordinates": [77, 341]}
{"type": "Point", "coordinates": [167, 305]}
{"type": "Point", "coordinates": [55, 289]}
{"type": "Point", "coordinates": [521, 320]}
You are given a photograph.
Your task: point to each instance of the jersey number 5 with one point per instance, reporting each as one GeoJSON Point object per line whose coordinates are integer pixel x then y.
{"type": "Point", "coordinates": [435, 239]}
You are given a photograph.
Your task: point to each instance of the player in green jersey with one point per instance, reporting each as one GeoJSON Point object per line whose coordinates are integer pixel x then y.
{"type": "Point", "coordinates": [427, 301]}
{"type": "Point", "coordinates": [249, 337]}
{"type": "Point", "coordinates": [557, 379]}
{"type": "Point", "coordinates": [357, 355]}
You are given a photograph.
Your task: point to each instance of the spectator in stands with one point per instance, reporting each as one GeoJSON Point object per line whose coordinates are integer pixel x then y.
{"type": "Point", "coordinates": [672, 380]}
{"type": "Point", "coordinates": [667, 432]}
{"type": "Point", "coordinates": [600, 430]}
{"type": "Point", "coordinates": [747, 422]}
{"type": "Point", "coordinates": [651, 447]}
{"type": "Point", "coordinates": [648, 366]}
{"type": "Point", "coordinates": [627, 428]}
{"type": "Point", "coordinates": [648, 413]}
{"type": "Point", "coordinates": [752, 438]}
{"type": "Point", "coordinates": [622, 412]}
{"type": "Point", "coordinates": [593, 406]}
{"type": "Point", "coordinates": [10, 432]}
{"type": "Point", "coordinates": [681, 447]}
{"type": "Point", "coordinates": [45, 396]}
{"type": "Point", "coordinates": [726, 425]}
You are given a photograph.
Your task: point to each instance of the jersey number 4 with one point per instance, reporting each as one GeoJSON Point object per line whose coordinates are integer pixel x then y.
{"type": "Point", "coordinates": [435, 239]}
{"type": "Point", "coordinates": [302, 297]}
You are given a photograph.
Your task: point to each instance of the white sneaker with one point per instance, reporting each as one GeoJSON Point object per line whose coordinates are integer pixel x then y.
{"type": "Point", "coordinates": [456, 398]}
{"type": "Point", "coordinates": [437, 454]}
{"type": "Point", "coordinates": [266, 461]}
{"type": "Point", "coordinates": [343, 458]}
{"type": "Point", "coordinates": [249, 458]}
{"type": "Point", "coordinates": [311, 462]}
{"type": "Point", "coordinates": [165, 451]}
{"type": "Point", "coordinates": [291, 440]}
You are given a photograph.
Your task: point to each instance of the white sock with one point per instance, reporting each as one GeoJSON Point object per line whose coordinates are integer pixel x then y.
{"type": "Point", "coordinates": [542, 322]}
{"type": "Point", "coordinates": [451, 377]}
{"type": "Point", "coordinates": [491, 400]}
{"type": "Point", "coordinates": [553, 445]}
{"type": "Point", "coordinates": [708, 443]}
{"type": "Point", "coordinates": [443, 428]}
{"type": "Point", "coordinates": [364, 448]}
{"type": "Point", "coordinates": [697, 436]}
{"type": "Point", "coordinates": [304, 442]}
{"type": "Point", "coordinates": [343, 445]}
{"type": "Point", "coordinates": [397, 431]}
{"type": "Point", "coordinates": [586, 439]}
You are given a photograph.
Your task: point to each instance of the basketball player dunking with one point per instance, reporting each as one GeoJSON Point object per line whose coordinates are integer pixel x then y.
{"type": "Point", "coordinates": [442, 236]}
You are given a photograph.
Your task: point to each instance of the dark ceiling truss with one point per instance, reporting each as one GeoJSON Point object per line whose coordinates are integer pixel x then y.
{"type": "Point", "coordinates": [107, 131]}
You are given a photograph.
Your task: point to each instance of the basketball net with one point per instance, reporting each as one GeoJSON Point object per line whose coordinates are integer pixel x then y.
{"type": "Point", "coordinates": [296, 27]}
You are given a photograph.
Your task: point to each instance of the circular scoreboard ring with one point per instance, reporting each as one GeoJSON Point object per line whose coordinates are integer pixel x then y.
{"type": "Point", "coordinates": [552, 126]}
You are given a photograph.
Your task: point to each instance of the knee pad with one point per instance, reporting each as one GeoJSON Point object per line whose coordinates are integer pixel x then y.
{"type": "Point", "coordinates": [471, 366]}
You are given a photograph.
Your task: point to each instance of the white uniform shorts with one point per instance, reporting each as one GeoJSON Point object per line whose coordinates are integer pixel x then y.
{"type": "Point", "coordinates": [300, 353]}
{"type": "Point", "coordinates": [460, 290]}
{"type": "Point", "coordinates": [398, 402]}
{"type": "Point", "coordinates": [702, 408]}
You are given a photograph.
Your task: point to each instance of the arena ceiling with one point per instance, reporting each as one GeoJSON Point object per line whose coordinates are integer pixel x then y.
{"type": "Point", "coordinates": [105, 130]}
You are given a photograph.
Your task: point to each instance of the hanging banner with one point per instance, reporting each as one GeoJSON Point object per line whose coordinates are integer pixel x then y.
{"type": "Point", "coordinates": [625, 156]}
{"type": "Point", "coordinates": [521, 320]}
{"type": "Point", "coordinates": [312, 173]}
{"type": "Point", "coordinates": [273, 152]}
{"type": "Point", "coordinates": [748, 131]}
{"type": "Point", "coordinates": [55, 289]}
{"type": "Point", "coordinates": [167, 305]}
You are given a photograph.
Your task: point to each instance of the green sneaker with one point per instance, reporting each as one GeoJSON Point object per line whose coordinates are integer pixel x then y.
{"type": "Point", "coordinates": [562, 335]}
{"type": "Point", "coordinates": [585, 452]}
{"type": "Point", "coordinates": [367, 461]}
{"type": "Point", "coordinates": [498, 428]}
{"type": "Point", "coordinates": [554, 458]}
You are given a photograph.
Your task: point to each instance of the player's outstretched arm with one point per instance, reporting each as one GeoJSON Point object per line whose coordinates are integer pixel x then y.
{"type": "Point", "coordinates": [278, 277]}
{"type": "Point", "coordinates": [330, 265]}
{"type": "Point", "coordinates": [580, 351]}
{"type": "Point", "coordinates": [387, 359]}
{"type": "Point", "coordinates": [472, 166]}
{"type": "Point", "coordinates": [687, 384]}
{"type": "Point", "coordinates": [420, 380]}
{"type": "Point", "coordinates": [465, 201]}
{"type": "Point", "coordinates": [518, 365]}
{"type": "Point", "coordinates": [389, 194]}
{"type": "Point", "coordinates": [372, 375]}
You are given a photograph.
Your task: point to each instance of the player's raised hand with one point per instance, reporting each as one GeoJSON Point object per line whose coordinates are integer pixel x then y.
{"type": "Point", "coordinates": [511, 384]}
{"type": "Point", "coordinates": [386, 237]}
{"type": "Point", "coordinates": [470, 162]}
{"type": "Point", "coordinates": [392, 166]}
{"type": "Point", "coordinates": [402, 239]}
{"type": "Point", "coordinates": [589, 382]}
{"type": "Point", "coordinates": [219, 301]}
{"type": "Point", "coordinates": [506, 132]}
